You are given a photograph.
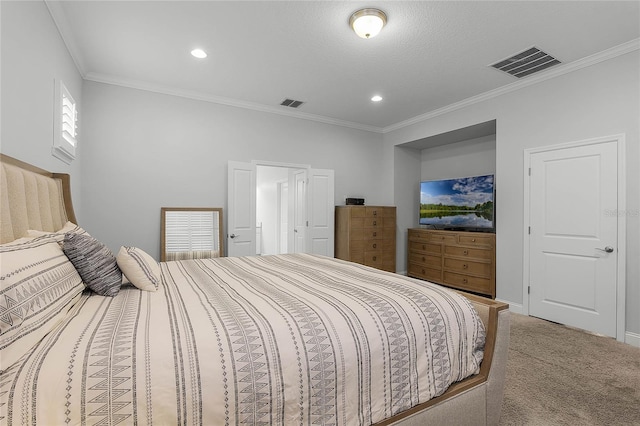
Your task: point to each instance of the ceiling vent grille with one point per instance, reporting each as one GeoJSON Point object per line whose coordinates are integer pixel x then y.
{"type": "Point", "coordinates": [291, 103]}
{"type": "Point", "coordinates": [526, 63]}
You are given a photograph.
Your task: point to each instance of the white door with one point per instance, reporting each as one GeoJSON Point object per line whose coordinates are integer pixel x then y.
{"type": "Point", "coordinates": [299, 203]}
{"type": "Point", "coordinates": [241, 222]}
{"type": "Point", "coordinates": [283, 215]}
{"type": "Point", "coordinates": [320, 212]}
{"type": "Point", "coordinates": [573, 243]}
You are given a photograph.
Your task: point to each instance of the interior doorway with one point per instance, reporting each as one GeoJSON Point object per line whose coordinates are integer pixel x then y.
{"type": "Point", "coordinates": [277, 212]}
{"type": "Point", "coordinates": [575, 242]}
{"type": "Point", "coordinates": [298, 208]}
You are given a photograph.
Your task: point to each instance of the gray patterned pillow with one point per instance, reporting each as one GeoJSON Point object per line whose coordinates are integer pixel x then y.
{"type": "Point", "coordinates": [95, 263]}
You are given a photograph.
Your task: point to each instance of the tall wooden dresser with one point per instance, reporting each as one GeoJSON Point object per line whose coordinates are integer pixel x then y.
{"type": "Point", "coordinates": [462, 260]}
{"type": "Point", "coordinates": [366, 235]}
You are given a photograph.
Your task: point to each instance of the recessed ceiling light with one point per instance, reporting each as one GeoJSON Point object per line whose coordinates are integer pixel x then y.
{"type": "Point", "coordinates": [376, 98]}
{"type": "Point", "coordinates": [199, 53]}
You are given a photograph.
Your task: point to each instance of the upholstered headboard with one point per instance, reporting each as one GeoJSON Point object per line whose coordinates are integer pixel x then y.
{"type": "Point", "coordinates": [32, 198]}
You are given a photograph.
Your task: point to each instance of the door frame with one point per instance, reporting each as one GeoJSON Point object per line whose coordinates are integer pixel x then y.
{"type": "Point", "coordinates": [619, 139]}
{"type": "Point", "coordinates": [290, 166]}
{"type": "Point", "coordinates": [279, 189]}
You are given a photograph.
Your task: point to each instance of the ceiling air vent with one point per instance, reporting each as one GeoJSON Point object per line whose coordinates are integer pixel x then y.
{"type": "Point", "coordinates": [291, 103]}
{"type": "Point", "coordinates": [525, 63]}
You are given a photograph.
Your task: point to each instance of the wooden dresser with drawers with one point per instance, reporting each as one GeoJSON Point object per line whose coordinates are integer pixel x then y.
{"type": "Point", "coordinates": [462, 260]}
{"type": "Point", "coordinates": [366, 235]}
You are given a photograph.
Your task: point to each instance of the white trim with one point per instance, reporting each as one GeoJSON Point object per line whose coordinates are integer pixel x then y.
{"type": "Point", "coordinates": [553, 72]}
{"type": "Point", "coordinates": [199, 96]}
{"type": "Point", "coordinates": [526, 218]}
{"type": "Point", "coordinates": [622, 223]}
{"type": "Point", "coordinates": [60, 20]}
{"type": "Point", "coordinates": [550, 73]}
{"type": "Point", "coordinates": [632, 339]}
{"type": "Point", "coordinates": [64, 143]}
{"type": "Point", "coordinates": [279, 164]}
{"type": "Point", "coordinates": [514, 307]}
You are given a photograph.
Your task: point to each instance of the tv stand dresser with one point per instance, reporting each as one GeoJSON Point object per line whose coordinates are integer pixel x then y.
{"type": "Point", "coordinates": [462, 260]}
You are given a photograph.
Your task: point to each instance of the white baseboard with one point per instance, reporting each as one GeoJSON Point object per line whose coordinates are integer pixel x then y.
{"type": "Point", "coordinates": [513, 307]}
{"type": "Point", "coordinates": [632, 339]}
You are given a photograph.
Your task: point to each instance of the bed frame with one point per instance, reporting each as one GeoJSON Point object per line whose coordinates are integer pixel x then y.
{"type": "Point", "coordinates": [33, 198]}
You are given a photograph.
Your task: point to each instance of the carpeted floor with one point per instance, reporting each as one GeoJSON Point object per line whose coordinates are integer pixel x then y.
{"type": "Point", "coordinates": [557, 375]}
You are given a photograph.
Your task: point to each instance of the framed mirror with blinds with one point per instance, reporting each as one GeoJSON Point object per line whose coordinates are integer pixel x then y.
{"type": "Point", "coordinates": [191, 233]}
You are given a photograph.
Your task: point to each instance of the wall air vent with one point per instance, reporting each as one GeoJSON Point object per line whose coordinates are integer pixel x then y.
{"type": "Point", "coordinates": [291, 103]}
{"type": "Point", "coordinates": [526, 63]}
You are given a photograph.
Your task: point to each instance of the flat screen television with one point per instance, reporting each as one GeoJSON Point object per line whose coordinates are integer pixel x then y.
{"type": "Point", "coordinates": [458, 204]}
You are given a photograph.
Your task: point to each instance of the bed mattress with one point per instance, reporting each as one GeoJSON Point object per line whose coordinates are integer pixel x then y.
{"type": "Point", "coordinates": [287, 339]}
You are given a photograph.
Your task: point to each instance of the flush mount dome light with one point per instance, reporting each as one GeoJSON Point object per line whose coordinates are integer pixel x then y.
{"type": "Point", "coordinates": [376, 98]}
{"type": "Point", "coordinates": [367, 23]}
{"type": "Point", "coordinates": [199, 53]}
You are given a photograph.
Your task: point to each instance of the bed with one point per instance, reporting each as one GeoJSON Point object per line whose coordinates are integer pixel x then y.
{"type": "Point", "coordinates": [287, 339]}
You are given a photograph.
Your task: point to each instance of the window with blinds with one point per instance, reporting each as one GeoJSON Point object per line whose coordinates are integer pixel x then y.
{"type": "Point", "coordinates": [65, 142]}
{"type": "Point", "coordinates": [187, 231]}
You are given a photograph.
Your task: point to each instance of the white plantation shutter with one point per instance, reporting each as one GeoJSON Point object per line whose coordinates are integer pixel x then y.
{"type": "Point", "coordinates": [190, 231]}
{"type": "Point", "coordinates": [69, 118]}
{"type": "Point", "coordinates": [66, 124]}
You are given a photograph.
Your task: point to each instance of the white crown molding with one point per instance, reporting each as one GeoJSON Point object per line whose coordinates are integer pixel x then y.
{"type": "Point", "coordinates": [553, 72]}
{"type": "Point", "coordinates": [200, 96]}
{"type": "Point", "coordinates": [60, 20]}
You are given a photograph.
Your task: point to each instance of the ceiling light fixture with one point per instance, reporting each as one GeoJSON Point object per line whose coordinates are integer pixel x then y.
{"type": "Point", "coordinates": [199, 53]}
{"type": "Point", "coordinates": [367, 23]}
{"type": "Point", "coordinates": [376, 98]}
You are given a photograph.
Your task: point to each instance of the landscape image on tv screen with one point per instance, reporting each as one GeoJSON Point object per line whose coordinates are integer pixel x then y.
{"type": "Point", "coordinates": [457, 203]}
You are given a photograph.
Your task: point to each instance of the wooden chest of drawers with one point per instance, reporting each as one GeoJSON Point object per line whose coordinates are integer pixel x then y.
{"type": "Point", "coordinates": [366, 235]}
{"type": "Point", "coordinates": [462, 260]}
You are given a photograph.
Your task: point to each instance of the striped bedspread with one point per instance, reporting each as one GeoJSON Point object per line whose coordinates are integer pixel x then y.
{"type": "Point", "coordinates": [289, 339]}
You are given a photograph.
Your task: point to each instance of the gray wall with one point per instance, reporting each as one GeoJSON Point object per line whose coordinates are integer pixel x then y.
{"type": "Point", "coordinates": [145, 150]}
{"type": "Point", "coordinates": [472, 157]}
{"type": "Point", "coordinates": [139, 150]}
{"type": "Point", "coordinates": [33, 57]}
{"type": "Point", "coordinates": [599, 100]}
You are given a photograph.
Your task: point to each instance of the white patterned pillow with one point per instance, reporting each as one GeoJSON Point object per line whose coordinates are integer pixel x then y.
{"type": "Point", "coordinates": [139, 267]}
{"type": "Point", "coordinates": [95, 263]}
{"type": "Point", "coordinates": [38, 286]}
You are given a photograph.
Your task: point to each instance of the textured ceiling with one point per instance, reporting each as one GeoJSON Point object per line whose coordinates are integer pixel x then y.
{"type": "Point", "coordinates": [430, 55]}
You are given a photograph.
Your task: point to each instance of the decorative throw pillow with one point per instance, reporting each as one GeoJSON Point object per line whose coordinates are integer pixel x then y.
{"type": "Point", "coordinates": [38, 286]}
{"type": "Point", "coordinates": [95, 263]}
{"type": "Point", "coordinates": [141, 269]}
{"type": "Point", "coordinates": [59, 236]}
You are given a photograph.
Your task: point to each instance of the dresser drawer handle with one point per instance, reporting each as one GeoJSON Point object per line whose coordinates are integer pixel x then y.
{"type": "Point", "coordinates": [466, 252]}
{"type": "Point", "coordinates": [464, 280]}
{"type": "Point", "coordinates": [375, 234]}
{"type": "Point", "coordinates": [423, 272]}
{"type": "Point", "coordinates": [374, 258]}
{"type": "Point", "coordinates": [375, 212]}
{"type": "Point", "coordinates": [424, 247]}
{"type": "Point", "coordinates": [465, 266]}
{"type": "Point", "coordinates": [375, 245]}
{"type": "Point", "coordinates": [375, 222]}
{"type": "Point", "coordinates": [442, 237]}
{"type": "Point", "coordinates": [424, 259]}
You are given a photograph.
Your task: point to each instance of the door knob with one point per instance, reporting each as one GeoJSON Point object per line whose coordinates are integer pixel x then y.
{"type": "Point", "coordinates": [232, 236]}
{"type": "Point", "coordinates": [607, 249]}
